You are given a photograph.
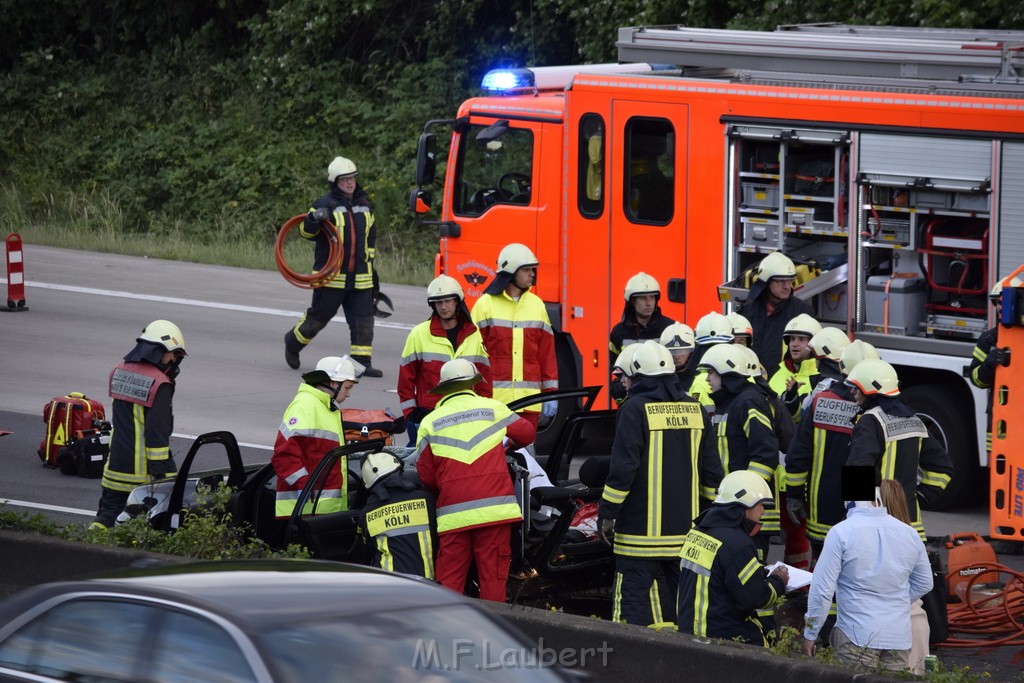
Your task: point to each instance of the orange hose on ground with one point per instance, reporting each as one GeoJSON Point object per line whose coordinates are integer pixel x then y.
{"type": "Point", "coordinates": [320, 277]}
{"type": "Point", "coordinates": [996, 619]}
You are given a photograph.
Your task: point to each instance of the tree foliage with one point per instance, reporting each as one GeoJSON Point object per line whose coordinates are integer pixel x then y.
{"type": "Point", "coordinates": [215, 120]}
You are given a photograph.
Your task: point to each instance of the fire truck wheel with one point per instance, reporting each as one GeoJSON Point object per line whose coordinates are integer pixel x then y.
{"type": "Point", "coordinates": [935, 405]}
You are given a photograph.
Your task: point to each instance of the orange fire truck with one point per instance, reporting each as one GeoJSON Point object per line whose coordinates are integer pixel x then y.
{"type": "Point", "coordinates": [891, 159]}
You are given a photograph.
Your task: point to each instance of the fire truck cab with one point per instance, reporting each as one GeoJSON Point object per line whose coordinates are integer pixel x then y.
{"type": "Point", "coordinates": [889, 161]}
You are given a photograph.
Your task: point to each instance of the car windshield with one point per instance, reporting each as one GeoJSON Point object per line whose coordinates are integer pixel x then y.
{"type": "Point", "coordinates": [450, 643]}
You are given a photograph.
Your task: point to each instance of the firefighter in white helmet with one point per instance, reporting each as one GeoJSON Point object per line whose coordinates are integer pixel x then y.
{"type": "Point", "coordinates": [742, 331]}
{"type": "Point", "coordinates": [311, 426]}
{"type": "Point", "coordinates": [889, 436]}
{"type": "Point", "coordinates": [142, 389]}
{"type": "Point", "coordinates": [399, 516]}
{"type": "Point", "coordinates": [448, 333]}
{"type": "Point", "coordinates": [623, 370]}
{"type": "Point", "coordinates": [663, 462]}
{"type": "Point", "coordinates": [642, 318]}
{"type": "Point", "coordinates": [793, 377]}
{"type": "Point", "coordinates": [723, 584]}
{"type": "Point", "coordinates": [987, 356]}
{"type": "Point", "coordinates": [517, 332]}
{"type": "Point", "coordinates": [821, 446]}
{"type": "Point", "coordinates": [679, 339]}
{"type": "Point", "coordinates": [347, 205]}
{"type": "Point", "coordinates": [711, 330]}
{"type": "Point", "coordinates": [771, 304]}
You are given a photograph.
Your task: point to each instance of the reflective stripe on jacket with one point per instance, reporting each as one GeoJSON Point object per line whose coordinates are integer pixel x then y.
{"type": "Point", "coordinates": [427, 348]}
{"type": "Point", "coordinates": [354, 219]}
{"type": "Point", "coordinates": [520, 343]}
{"type": "Point", "coordinates": [461, 456]}
{"type": "Point", "coordinates": [309, 429]}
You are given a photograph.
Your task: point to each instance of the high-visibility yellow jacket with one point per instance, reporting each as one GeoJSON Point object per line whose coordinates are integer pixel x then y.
{"type": "Point", "coordinates": [308, 430]}
{"type": "Point", "coordinates": [520, 343]}
{"type": "Point", "coordinates": [461, 456]}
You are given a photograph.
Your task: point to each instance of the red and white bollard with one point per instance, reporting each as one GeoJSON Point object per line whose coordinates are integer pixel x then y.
{"type": "Point", "coordinates": [15, 274]}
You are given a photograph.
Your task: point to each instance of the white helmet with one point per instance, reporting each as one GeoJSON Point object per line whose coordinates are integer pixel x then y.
{"type": "Point", "coordinates": [776, 264]}
{"type": "Point", "coordinates": [713, 328]}
{"type": "Point", "coordinates": [652, 359]}
{"type": "Point", "coordinates": [754, 367]}
{"type": "Point", "coordinates": [677, 336]}
{"type": "Point", "coordinates": [444, 287]}
{"type": "Point", "coordinates": [726, 358]}
{"type": "Point", "coordinates": [853, 354]}
{"type": "Point", "coordinates": [456, 375]}
{"type": "Point", "coordinates": [641, 283]}
{"type": "Point", "coordinates": [624, 362]}
{"type": "Point", "coordinates": [875, 377]}
{"type": "Point", "coordinates": [515, 256]}
{"type": "Point", "coordinates": [340, 168]}
{"type": "Point", "coordinates": [378, 465]}
{"type": "Point", "coordinates": [340, 369]}
{"type": "Point", "coordinates": [829, 343]}
{"type": "Point", "coordinates": [165, 333]}
{"type": "Point", "coordinates": [802, 324]}
{"type": "Point", "coordinates": [746, 488]}
{"type": "Point", "coordinates": [740, 324]}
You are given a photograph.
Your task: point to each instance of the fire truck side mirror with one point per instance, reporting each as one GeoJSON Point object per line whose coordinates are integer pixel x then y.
{"type": "Point", "coordinates": [426, 160]}
{"type": "Point", "coordinates": [420, 201]}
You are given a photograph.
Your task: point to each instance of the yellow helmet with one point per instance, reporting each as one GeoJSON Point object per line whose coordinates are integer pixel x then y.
{"type": "Point", "coordinates": [444, 287]}
{"type": "Point", "coordinates": [340, 168]}
{"type": "Point", "coordinates": [713, 328]}
{"type": "Point", "coordinates": [829, 343]}
{"type": "Point", "coordinates": [641, 283]}
{"type": "Point", "coordinates": [875, 377]}
{"type": "Point", "coordinates": [165, 333]}
{"type": "Point", "coordinates": [746, 488]}
{"type": "Point", "coordinates": [515, 256]}
{"type": "Point", "coordinates": [677, 336]}
{"type": "Point", "coordinates": [853, 354]}
{"type": "Point", "coordinates": [776, 264]}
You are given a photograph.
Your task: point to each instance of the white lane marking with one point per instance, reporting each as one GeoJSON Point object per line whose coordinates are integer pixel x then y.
{"type": "Point", "coordinates": [193, 302]}
{"type": "Point", "coordinates": [50, 508]}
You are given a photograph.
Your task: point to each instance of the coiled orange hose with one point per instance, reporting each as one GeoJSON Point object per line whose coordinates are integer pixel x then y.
{"type": "Point", "coordinates": [994, 619]}
{"type": "Point", "coordinates": [320, 277]}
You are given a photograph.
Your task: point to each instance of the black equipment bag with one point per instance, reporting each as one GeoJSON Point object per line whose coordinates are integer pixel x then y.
{"type": "Point", "coordinates": [934, 601]}
{"type": "Point", "coordinates": [85, 454]}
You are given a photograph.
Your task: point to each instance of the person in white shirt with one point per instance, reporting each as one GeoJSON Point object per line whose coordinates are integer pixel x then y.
{"type": "Point", "coordinates": [875, 566]}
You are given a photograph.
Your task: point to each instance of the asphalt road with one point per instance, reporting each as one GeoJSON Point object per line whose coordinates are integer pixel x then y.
{"type": "Point", "coordinates": [86, 309]}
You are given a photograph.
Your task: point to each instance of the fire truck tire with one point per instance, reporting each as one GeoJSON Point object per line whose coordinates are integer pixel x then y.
{"type": "Point", "coordinates": [936, 406]}
{"type": "Point", "coordinates": [547, 430]}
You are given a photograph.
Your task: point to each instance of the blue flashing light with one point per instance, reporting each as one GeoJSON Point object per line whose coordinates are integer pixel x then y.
{"type": "Point", "coordinates": [507, 79]}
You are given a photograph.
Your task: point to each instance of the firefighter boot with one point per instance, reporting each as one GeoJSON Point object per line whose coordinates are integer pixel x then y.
{"type": "Point", "coordinates": [296, 339]}
{"type": "Point", "coordinates": [369, 370]}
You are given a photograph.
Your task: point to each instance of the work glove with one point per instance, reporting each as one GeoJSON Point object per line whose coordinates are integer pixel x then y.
{"type": "Point", "coordinates": [795, 510]}
{"type": "Point", "coordinates": [161, 468]}
{"type": "Point", "coordinates": [549, 409]}
{"type": "Point", "coordinates": [320, 214]}
{"type": "Point", "coordinates": [997, 357]}
{"type": "Point", "coordinates": [606, 530]}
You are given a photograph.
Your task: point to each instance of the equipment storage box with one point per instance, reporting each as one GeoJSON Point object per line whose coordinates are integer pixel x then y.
{"type": "Point", "coordinates": [930, 199]}
{"type": "Point", "coordinates": [761, 195]}
{"type": "Point", "coordinates": [898, 311]}
{"type": "Point", "coordinates": [760, 232]}
{"type": "Point", "coordinates": [970, 201]}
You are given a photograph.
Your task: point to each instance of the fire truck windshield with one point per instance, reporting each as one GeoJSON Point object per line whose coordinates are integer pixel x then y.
{"type": "Point", "coordinates": [490, 172]}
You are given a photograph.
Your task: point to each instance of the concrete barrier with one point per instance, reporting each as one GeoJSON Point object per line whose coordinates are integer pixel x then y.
{"type": "Point", "coordinates": [605, 650]}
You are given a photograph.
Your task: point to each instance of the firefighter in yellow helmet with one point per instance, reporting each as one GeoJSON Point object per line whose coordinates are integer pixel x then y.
{"type": "Point", "coordinates": [347, 205]}
{"type": "Point", "coordinates": [663, 461]}
{"type": "Point", "coordinates": [310, 427]}
{"type": "Point", "coordinates": [771, 304]}
{"type": "Point", "coordinates": [517, 332]}
{"type": "Point", "coordinates": [723, 584]}
{"type": "Point", "coordinates": [142, 389]}
{"type": "Point", "coordinates": [889, 436]}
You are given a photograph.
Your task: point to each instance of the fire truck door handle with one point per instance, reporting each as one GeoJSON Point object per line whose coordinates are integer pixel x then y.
{"type": "Point", "coordinates": [677, 290]}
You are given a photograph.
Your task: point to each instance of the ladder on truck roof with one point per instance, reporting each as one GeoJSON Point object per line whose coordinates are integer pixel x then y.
{"type": "Point", "coordinates": [843, 51]}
